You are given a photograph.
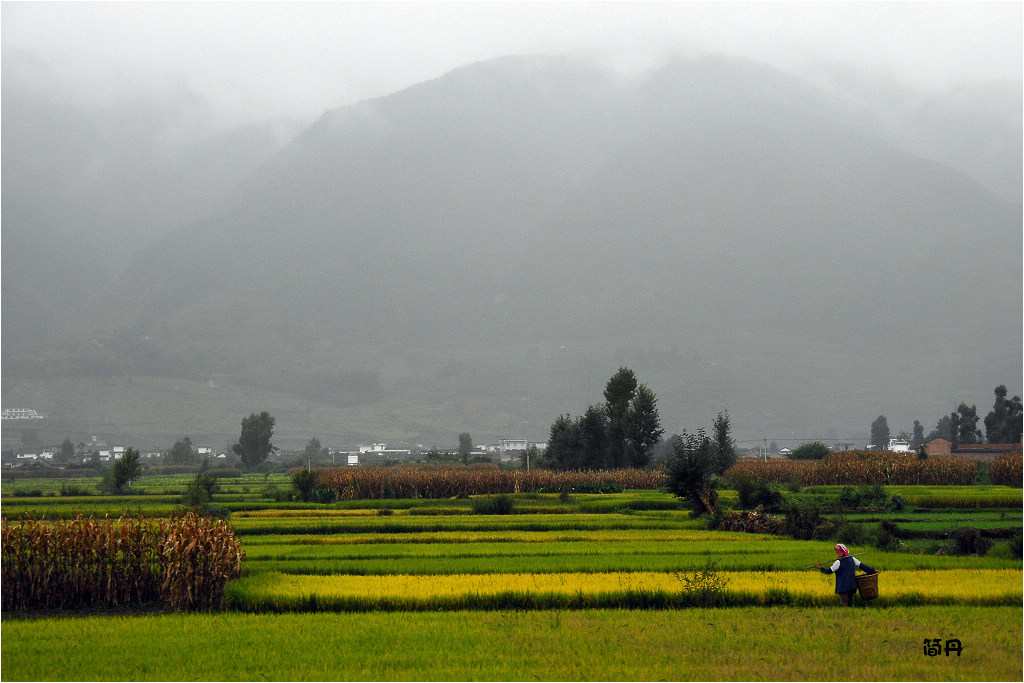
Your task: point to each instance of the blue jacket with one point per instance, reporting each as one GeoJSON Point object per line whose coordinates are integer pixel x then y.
{"type": "Point", "coordinates": [845, 570]}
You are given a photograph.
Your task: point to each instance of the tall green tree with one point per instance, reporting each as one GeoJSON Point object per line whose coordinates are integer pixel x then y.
{"type": "Point", "coordinates": [67, 451]}
{"type": "Point", "coordinates": [918, 437]}
{"type": "Point", "coordinates": [644, 426]}
{"type": "Point", "coordinates": [592, 426]}
{"type": "Point", "coordinates": [967, 427]}
{"type": "Point", "coordinates": [619, 433]}
{"type": "Point", "coordinates": [618, 394]}
{"type": "Point", "coordinates": [565, 447]}
{"type": "Point", "coordinates": [1003, 423]}
{"type": "Point", "coordinates": [314, 451]}
{"type": "Point", "coordinates": [254, 445]}
{"type": "Point", "coordinates": [125, 469]}
{"type": "Point", "coordinates": [690, 469]}
{"type": "Point", "coordinates": [880, 433]}
{"type": "Point", "coordinates": [725, 447]}
{"type": "Point", "coordinates": [181, 452]}
{"type": "Point", "coordinates": [465, 446]}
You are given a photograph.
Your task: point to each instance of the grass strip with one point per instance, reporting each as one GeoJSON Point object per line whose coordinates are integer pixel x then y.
{"type": "Point", "coordinates": [795, 644]}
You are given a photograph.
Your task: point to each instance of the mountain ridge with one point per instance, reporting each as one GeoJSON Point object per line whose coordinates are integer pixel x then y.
{"type": "Point", "coordinates": [490, 210]}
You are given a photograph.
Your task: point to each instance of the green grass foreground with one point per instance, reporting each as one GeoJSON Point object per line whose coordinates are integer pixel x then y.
{"type": "Point", "coordinates": [696, 644]}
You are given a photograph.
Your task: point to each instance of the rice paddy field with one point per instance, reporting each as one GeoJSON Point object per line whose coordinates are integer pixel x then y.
{"type": "Point", "coordinates": [623, 586]}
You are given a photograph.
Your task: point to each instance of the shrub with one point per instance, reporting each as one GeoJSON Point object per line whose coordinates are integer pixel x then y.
{"type": "Point", "coordinates": [199, 491]}
{"type": "Point", "coordinates": [852, 533]}
{"type": "Point", "coordinates": [967, 540]}
{"type": "Point", "coordinates": [803, 519]}
{"type": "Point", "coordinates": [886, 537]}
{"type": "Point", "coordinates": [501, 504]}
{"type": "Point", "coordinates": [305, 481]}
{"type": "Point", "coordinates": [703, 587]}
{"type": "Point", "coordinates": [810, 451]}
{"type": "Point", "coordinates": [67, 489]}
{"type": "Point", "coordinates": [753, 493]}
{"type": "Point", "coordinates": [689, 472]}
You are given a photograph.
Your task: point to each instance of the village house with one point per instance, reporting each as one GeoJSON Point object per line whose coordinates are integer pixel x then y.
{"type": "Point", "coordinates": [982, 452]}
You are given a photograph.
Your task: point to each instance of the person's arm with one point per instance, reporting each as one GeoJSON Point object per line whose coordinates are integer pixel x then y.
{"type": "Point", "coordinates": [831, 570]}
{"type": "Point", "coordinates": [863, 567]}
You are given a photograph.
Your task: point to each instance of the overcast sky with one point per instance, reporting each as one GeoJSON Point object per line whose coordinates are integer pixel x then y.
{"type": "Point", "coordinates": [299, 59]}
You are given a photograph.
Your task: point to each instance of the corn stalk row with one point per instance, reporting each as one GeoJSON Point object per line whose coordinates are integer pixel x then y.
{"type": "Point", "coordinates": [450, 482]}
{"type": "Point", "coordinates": [859, 467]}
{"type": "Point", "coordinates": [180, 564]}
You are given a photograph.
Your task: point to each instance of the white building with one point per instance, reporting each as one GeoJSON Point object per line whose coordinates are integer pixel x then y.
{"type": "Point", "coordinates": [899, 445]}
{"type": "Point", "coordinates": [20, 414]}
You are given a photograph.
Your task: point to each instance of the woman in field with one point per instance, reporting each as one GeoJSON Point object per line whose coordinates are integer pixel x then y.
{"type": "Point", "coordinates": [845, 568]}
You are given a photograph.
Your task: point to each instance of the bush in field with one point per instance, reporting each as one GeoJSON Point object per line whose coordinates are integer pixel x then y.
{"type": "Point", "coordinates": [852, 533]}
{"type": "Point", "coordinates": [120, 475]}
{"type": "Point", "coordinates": [305, 481]}
{"type": "Point", "coordinates": [703, 587]}
{"type": "Point", "coordinates": [887, 536]}
{"type": "Point", "coordinates": [182, 564]}
{"type": "Point", "coordinates": [753, 493]}
{"type": "Point", "coordinates": [67, 489]}
{"type": "Point", "coordinates": [690, 469]}
{"type": "Point", "coordinates": [501, 504]}
{"type": "Point", "coordinates": [803, 519]}
{"type": "Point", "coordinates": [873, 496]}
{"type": "Point", "coordinates": [815, 450]}
{"type": "Point", "coordinates": [199, 491]}
{"type": "Point", "coordinates": [1006, 470]}
{"type": "Point", "coordinates": [967, 540]}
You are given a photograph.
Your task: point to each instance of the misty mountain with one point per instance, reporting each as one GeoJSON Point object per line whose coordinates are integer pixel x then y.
{"type": "Point", "coordinates": [86, 185]}
{"type": "Point", "coordinates": [508, 234]}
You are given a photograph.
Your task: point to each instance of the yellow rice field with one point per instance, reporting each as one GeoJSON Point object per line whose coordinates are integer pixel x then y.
{"type": "Point", "coordinates": [969, 585]}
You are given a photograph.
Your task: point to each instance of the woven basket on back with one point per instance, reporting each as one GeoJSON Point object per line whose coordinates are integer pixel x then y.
{"type": "Point", "coordinates": [867, 584]}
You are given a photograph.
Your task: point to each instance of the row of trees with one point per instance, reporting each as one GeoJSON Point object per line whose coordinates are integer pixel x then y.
{"type": "Point", "coordinates": [1003, 424]}
{"type": "Point", "coordinates": [621, 432]}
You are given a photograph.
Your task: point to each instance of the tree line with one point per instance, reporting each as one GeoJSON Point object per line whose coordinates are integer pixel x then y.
{"type": "Point", "coordinates": [1003, 424]}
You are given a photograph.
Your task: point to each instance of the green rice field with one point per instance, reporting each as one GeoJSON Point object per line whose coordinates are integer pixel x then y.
{"type": "Point", "coordinates": [586, 587]}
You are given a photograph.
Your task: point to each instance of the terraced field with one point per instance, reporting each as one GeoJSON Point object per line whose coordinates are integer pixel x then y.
{"type": "Point", "coordinates": [602, 586]}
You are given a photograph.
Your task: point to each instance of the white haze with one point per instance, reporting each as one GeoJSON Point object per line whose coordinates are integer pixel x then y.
{"type": "Point", "coordinates": [267, 60]}
{"type": "Point", "coordinates": [123, 124]}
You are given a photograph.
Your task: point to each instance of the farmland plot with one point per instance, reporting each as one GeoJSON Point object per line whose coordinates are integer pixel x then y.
{"type": "Point", "coordinates": [611, 593]}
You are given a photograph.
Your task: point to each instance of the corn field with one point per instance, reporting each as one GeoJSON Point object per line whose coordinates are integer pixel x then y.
{"type": "Point", "coordinates": [858, 467]}
{"type": "Point", "coordinates": [449, 482]}
{"type": "Point", "coordinates": [183, 564]}
{"type": "Point", "coordinates": [1006, 469]}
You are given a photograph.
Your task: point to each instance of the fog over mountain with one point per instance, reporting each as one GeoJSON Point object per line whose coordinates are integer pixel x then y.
{"type": "Point", "coordinates": [481, 251]}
